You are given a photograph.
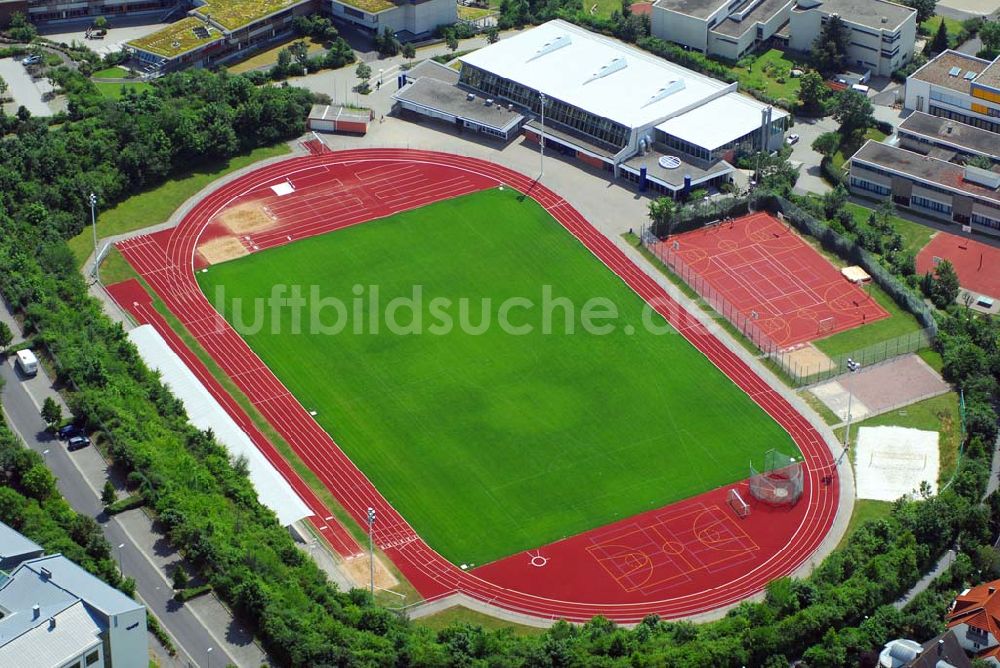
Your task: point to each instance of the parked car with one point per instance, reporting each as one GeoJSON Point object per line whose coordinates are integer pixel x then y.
{"type": "Point", "coordinates": [792, 139]}
{"type": "Point", "coordinates": [77, 442]}
{"type": "Point", "coordinates": [69, 431]}
{"type": "Point", "coordinates": [31, 60]}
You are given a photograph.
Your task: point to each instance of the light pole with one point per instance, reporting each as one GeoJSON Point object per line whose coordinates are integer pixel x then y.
{"type": "Point", "coordinates": [208, 657]}
{"type": "Point", "coordinates": [120, 569]}
{"type": "Point", "coordinates": [93, 223]}
{"type": "Point", "coordinates": [853, 367]}
{"type": "Point", "coordinates": [541, 139]}
{"type": "Point", "coordinates": [371, 549]}
{"type": "Point", "coordinates": [380, 70]}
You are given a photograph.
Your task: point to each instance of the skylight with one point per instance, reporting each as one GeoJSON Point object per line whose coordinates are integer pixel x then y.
{"type": "Point", "coordinates": [615, 65]}
{"type": "Point", "coordinates": [969, 76]}
{"type": "Point", "coordinates": [955, 71]}
{"type": "Point", "coordinates": [671, 88]}
{"type": "Point", "coordinates": [555, 43]}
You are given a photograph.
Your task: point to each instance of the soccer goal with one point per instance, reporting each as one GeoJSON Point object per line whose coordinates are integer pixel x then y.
{"type": "Point", "coordinates": [736, 502]}
{"type": "Point", "coordinates": [826, 325]}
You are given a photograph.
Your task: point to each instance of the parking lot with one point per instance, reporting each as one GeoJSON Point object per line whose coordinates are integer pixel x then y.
{"type": "Point", "coordinates": [24, 91]}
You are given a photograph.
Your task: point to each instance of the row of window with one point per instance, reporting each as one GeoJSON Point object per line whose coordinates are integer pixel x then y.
{"type": "Point", "coordinates": [954, 100]}
{"type": "Point", "coordinates": [602, 129]}
{"type": "Point", "coordinates": [974, 121]}
{"type": "Point", "coordinates": [869, 186]}
{"type": "Point", "coordinates": [930, 204]}
{"type": "Point", "coordinates": [986, 221]}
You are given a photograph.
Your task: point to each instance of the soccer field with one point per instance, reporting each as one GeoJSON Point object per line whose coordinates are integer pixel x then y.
{"type": "Point", "coordinates": [494, 441]}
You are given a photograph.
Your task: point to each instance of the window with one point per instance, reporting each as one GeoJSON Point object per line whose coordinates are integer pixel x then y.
{"type": "Point", "coordinates": [930, 204]}
{"type": "Point", "coordinates": [869, 186]}
{"type": "Point", "coordinates": [986, 221]}
{"type": "Point", "coordinates": [93, 657]}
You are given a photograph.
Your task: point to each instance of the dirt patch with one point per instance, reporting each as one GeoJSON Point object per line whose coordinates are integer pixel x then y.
{"type": "Point", "coordinates": [222, 249]}
{"type": "Point", "coordinates": [357, 570]}
{"type": "Point", "coordinates": [247, 217]}
{"type": "Point", "coordinates": [807, 361]}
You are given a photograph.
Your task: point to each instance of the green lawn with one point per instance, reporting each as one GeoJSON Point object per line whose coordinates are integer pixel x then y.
{"type": "Point", "coordinates": [114, 90]}
{"type": "Point", "coordinates": [915, 236]}
{"type": "Point", "coordinates": [764, 73]}
{"type": "Point", "coordinates": [111, 73]}
{"type": "Point", "coordinates": [865, 510]}
{"type": "Point", "coordinates": [953, 26]}
{"type": "Point", "coordinates": [460, 615]}
{"type": "Point", "coordinates": [490, 443]}
{"type": "Point", "coordinates": [155, 206]}
{"type": "Point", "coordinates": [899, 323]}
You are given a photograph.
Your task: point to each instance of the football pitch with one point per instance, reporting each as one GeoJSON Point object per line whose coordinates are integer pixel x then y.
{"type": "Point", "coordinates": [490, 440]}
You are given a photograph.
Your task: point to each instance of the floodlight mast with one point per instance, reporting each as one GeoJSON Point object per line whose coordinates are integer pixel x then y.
{"type": "Point", "coordinates": [541, 139]}
{"type": "Point", "coordinates": [371, 550]}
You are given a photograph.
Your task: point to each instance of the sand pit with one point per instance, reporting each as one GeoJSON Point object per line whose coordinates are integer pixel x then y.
{"type": "Point", "coordinates": [807, 361]}
{"type": "Point", "coordinates": [357, 570]}
{"type": "Point", "coordinates": [891, 462]}
{"type": "Point", "coordinates": [222, 249]}
{"type": "Point", "coordinates": [246, 218]}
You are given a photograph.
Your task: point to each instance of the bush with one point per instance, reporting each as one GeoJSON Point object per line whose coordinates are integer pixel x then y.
{"type": "Point", "coordinates": [184, 595]}
{"type": "Point", "coordinates": [128, 503]}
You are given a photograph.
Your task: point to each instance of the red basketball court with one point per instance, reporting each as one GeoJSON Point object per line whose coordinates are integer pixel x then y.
{"type": "Point", "coordinates": [977, 264]}
{"type": "Point", "coordinates": [769, 275]}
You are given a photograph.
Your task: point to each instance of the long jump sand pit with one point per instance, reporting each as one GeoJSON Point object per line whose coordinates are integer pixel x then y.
{"type": "Point", "coordinates": [891, 462]}
{"type": "Point", "coordinates": [358, 570]}
{"type": "Point", "coordinates": [222, 249]}
{"type": "Point", "coordinates": [247, 217]}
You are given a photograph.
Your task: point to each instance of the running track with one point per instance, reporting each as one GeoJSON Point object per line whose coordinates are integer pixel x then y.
{"type": "Point", "coordinates": [167, 260]}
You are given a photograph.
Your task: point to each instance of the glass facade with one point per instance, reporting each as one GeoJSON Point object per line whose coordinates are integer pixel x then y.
{"type": "Point", "coordinates": [598, 129]}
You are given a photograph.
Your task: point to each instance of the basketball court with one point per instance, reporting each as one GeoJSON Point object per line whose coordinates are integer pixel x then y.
{"type": "Point", "coordinates": [975, 263]}
{"type": "Point", "coordinates": [771, 277]}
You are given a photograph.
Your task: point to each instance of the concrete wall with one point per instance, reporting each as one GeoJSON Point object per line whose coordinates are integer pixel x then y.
{"type": "Point", "coordinates": [680, 28]}
{"type": "Point", "coordinates": [128, 640]}
{"type": "Point", "coordinates": [865, 50]}
{"type": "Point", "coordinates": [416, 18]}
{"type": "Point", "coordinates": [803, 28]}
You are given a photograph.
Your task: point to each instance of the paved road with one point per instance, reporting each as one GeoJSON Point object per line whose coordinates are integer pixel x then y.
{"type": "Point", "coordinates": [24, 91]}
{"type": "Point", "coordinates": [810, 176]}
{"type": "Point", "coordinates": [22, 413]}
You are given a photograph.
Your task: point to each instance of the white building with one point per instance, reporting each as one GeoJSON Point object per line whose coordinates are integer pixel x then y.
{"type": "Point", "coordinates": [612, 106]}
{"type": "Point", "coordinates": [959, 87]}
{"type": "Point", "coordinates": [406, 18]}
{"type": "Point", "coordinates": [882, 33]}
{"type": "Point", "coordinates": [55, 614]}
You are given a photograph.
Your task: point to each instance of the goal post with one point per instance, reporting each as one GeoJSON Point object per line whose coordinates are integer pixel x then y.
{"type": "Point", "coordinates": [826, 325]}
{"type": "Point", "coordinates": [736, 502]}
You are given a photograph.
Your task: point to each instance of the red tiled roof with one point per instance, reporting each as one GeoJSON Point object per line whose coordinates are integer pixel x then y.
{"type": "Point", "coordinates": [979, 608]}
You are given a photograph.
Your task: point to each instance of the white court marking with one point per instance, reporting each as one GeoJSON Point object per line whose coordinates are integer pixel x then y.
{"type": "Point", "coordinates": [891, 462]}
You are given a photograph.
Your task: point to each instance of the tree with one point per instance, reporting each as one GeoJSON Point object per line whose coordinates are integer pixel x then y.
{"type": "Point", "coordinates": [812, 91]}
{"type": "Point", "coordinates": [409, 51]}
{"type": "Point", "coordinates": [829, 51]}
{"type": "Point", "coordinates": [661, 214]}
{"type": "Point", "coordinates": [940, 41]}
{"type": "Point", "coordinates": [834, 201]}
{"type": "Point", "coordinates": [925, 8]}
{"type": "Point", "coordinates": [364, 73]}
{"type": "Point", "coordinates": [492, 35]}
{"type": "Point", "coordinates": [827, 144]}
{"type": "Point", "coordinates": [452, 41]}
{"type": "Point", "coordinates": [854, 113]}
{"type": "Point", "coordinates": [38, 482]}
{"type": "Point", "coordinates": [51, 412]}
{"type": "Point", "coordinates": [775, 174]}
{"type": "Point", "coordinates": [21, 29]}
{"type": "Point", "coordinates": [101, 23]}
{"type": "Point", "coordinates": [3, 87]}
{"type": "Point", "coordinates": [941, 286]}
{"type": "Point", "coordinates": [108, 494]}
{"type": "Point", "coordinates": [6, 336]}
{"type": "Point", "coordinates": [989, 32]}
{"type": "Point", "coordinates": [300, 52]}
{"type": "Point", "coordinates": [284, 61]}
{"type": "Point", "coordinates": [386, 43]}
{"type": "Point", "coordinates": [180, 577]}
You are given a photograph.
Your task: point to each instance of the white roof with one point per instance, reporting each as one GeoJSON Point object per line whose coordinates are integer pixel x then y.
{"type": "Point", "coordinates": [719, 122]}
{"type": "Point", "coordinates": [597, 74]}
{"type": "Point", "coordinates": [45, 644]}
{"type": "Point", "coordinates": [206, 413]}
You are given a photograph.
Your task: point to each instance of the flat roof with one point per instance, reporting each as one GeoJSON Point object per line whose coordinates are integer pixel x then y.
{"type": "Point", "coordinates": [234, 14]}
{"type": "Point", "coordinates": [923, 168]}
{"type": "Point", "coordinates": [938, 71]}
{"type": "Point", "coordinates": [719, 121]}
{"type": "Point", "coordinates": [15, 544]}
{"type": "Point", "coordinates": [322, 112]}
{"type": "Point", "coordinates": [953, 133]}
{"type": "Point", "coordinates": [599, 75]}
{"type": "Point", "coordinates": [675, 177]}
{"type": "Point", "coordinates": [178, 38]}
{"type": "Point", "coordinates": [868, 13]}
{"type": "Point", "coordinates": [991, 75]}
{"type": "Point", "coordinates": [434, 94]}
{"type": "Point", "coordinates": [763, 12]}
{"type": "Point", "coordinates": [701, 9]}
{"type": "Point", "coordinates": [433, 69]}
{"type": "Point", "coordinates": [601, 149]}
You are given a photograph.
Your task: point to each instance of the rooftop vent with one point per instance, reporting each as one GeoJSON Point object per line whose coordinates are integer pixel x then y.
{"type": "Point", "coordinates": [46, 573]}
{"type": "Point", "coordinates": [885, 20]}
{"type": "Point", "coordinates": [948, 129]}
{"type": "Point", "coordinates": [671, 88]}
{"type": "Point", "coordinates": [955, 71]}
{"type": "Point", "coordinates": [35, 611]}
{"type": "Point", "coordinates": [52, 623]}
{"type": "Point", "coordinates": [557, 42]}
{"type": "Point", "coordinates": [969, 75]}
{"type": "Point", "coordinates": [615, 65]}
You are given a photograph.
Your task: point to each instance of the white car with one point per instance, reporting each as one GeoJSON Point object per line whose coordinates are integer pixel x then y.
{"type": "Point", "coordinates": [792, 139]}
{"type": "Point", "coordinates": [31, 60]}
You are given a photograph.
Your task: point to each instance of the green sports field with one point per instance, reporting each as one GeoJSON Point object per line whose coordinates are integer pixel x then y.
{"type": "Point", "coordinates": [493, 442]}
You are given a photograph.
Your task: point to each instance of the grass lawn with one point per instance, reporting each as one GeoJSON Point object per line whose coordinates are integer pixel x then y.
{"type": "Point", "coordinates": [155, 206]}
{"type": "Point", "coordinates": [460, 615]}
{"type": "Point", "coordinates": [601, 8]}
{"type": "Point", "coordinates": [764, 73]}
{"type": "Point", "coordinates": [821, 409]}
{"type": "Point", "coordinates": [915, 236]}
{"type": "Point", "coordinates": [864, 510]}
{"type": "Point", "coordinates": [474, 13]}
{"type": "Point", "coordinates": [269, 57]}
{"type": "Point", "coordinates": [115, 268]}
{"type": "Point", "coordinates": [933, 359]}
{"type": "Point", "coordinates": [493, 442]}
{"type": "Point", "coordinates": [953, 26]}
{"type": "Point", "coordinates": [114, 90]}
{"type": "Point", "coordinates": [899, 323]}
{"type": "Point", "coordinates": [111, 73]}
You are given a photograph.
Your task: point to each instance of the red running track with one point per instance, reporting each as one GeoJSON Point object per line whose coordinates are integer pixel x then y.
{"type": "Point", "coordinates": [167, 261]}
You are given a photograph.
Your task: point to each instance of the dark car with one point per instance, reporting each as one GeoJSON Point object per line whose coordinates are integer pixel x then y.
{"type": "Point", "coordinates": [69, 431]}
{"type": "Point", "coordinates": [77, 442]}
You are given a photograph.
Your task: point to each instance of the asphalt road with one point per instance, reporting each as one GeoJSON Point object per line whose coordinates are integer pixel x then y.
{"type": "Point", "coordinates": [190, 637]}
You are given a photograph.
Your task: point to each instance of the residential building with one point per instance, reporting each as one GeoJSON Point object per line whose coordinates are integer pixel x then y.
{"type": "Point", "coordinates": [974, 617]}
{"type": "Point", "coordinates": [15, 548]}
{"type": "Point", "coordinates": [408, 19]}
{"type": "Point", "coordinates": [960, 87]}
{"type": "Point", "coordinates": [928, 185]}
{"type": "Point", "coordinates": [54, 613]}
{"type": "Point", "coordinates": [882, 34]}
{"type": "Point", "coordinates": [610, 105]}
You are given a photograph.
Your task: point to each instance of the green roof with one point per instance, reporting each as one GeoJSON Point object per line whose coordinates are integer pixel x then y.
{"type": "Point", "coordinates": [234, 14]}
{"type": "Point", "coordinates": [370, 6]}
{"type": "Point", "coordinates": [177, 38]}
